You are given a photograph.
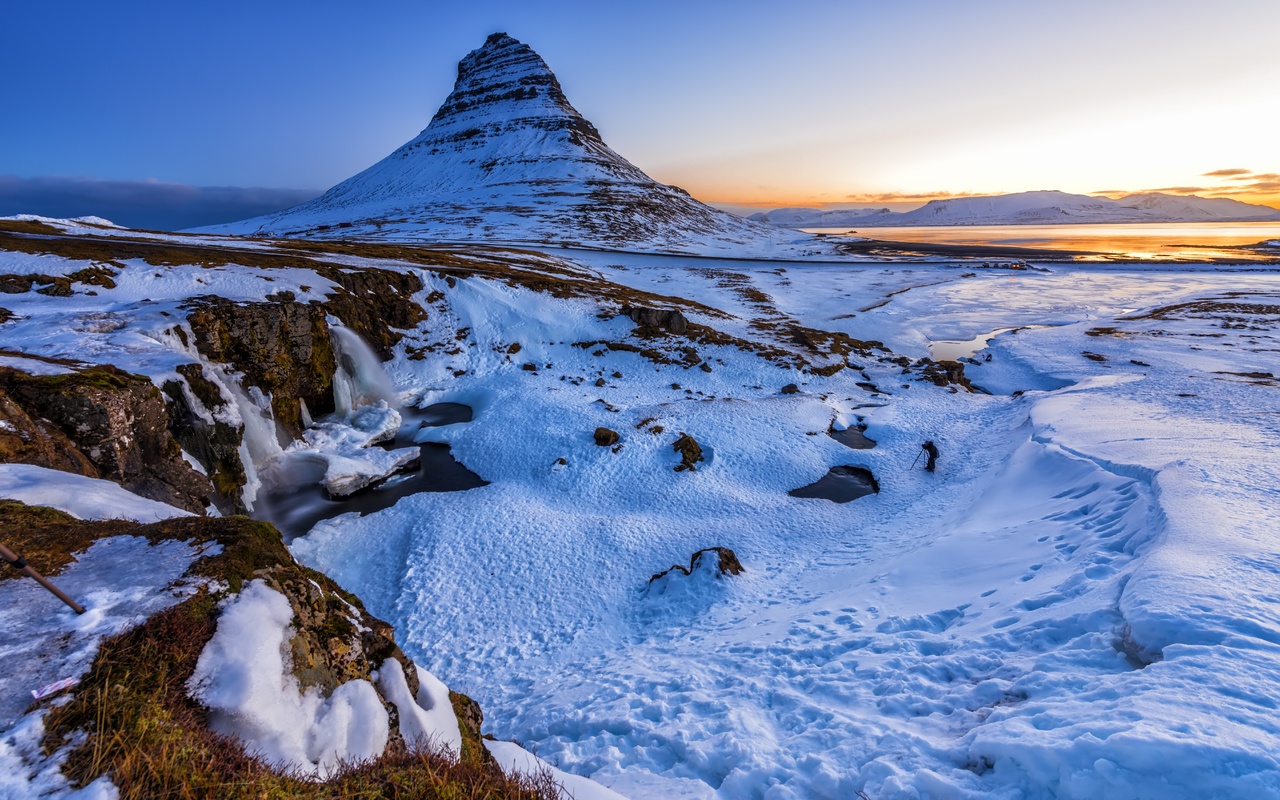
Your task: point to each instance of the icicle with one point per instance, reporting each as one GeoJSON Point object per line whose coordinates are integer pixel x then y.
{"type": "Point", "coordinates": [305, 412]}
{"type": "Point", "coordinates": [259, 442]}
{"type": "Point", "coordinates": [359, 379]}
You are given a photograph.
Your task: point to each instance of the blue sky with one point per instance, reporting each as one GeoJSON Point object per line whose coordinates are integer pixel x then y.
{"type": "Point", "coordinates": [739, 102]}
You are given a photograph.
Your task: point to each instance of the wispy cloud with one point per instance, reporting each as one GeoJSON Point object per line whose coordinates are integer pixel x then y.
{"type": "Point", "coordinates": [908, 197]}
{"type": "Point", "coordinates": [1226, 173]}
{"type": "Point", "coordinates": [142, 204]}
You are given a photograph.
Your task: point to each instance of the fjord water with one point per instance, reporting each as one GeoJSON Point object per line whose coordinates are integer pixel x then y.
{"type": "Point", "coordinates": [1165, 240]}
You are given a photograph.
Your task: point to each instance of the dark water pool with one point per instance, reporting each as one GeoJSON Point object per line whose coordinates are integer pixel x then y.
{"type": "Point", "coordinates": [296, 505]}
{"type": "Point", "coordinates": [840, 485]}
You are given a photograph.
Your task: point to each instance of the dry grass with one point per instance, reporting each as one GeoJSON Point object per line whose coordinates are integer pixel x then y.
{"type": "Point", "coordinates": [131, 718]}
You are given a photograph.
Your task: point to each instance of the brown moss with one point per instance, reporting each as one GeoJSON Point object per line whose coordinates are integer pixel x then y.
{"type": "Point", "coordinates": [28, 226]}
{"type": "Point", "coordinates": [48, 538]}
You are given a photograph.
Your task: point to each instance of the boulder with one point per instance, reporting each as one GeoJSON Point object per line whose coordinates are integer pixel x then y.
{"type": "Point", "coordinates": [670, 320]}
{"type": "Point", "coordinates": [606, 437]}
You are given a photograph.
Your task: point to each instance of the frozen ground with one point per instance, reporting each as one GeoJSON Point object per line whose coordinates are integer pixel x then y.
{"type": "Point", "coordinates": [1081, 602]}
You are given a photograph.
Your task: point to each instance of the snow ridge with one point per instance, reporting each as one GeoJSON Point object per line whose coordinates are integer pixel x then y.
{"type": "Point", "coordinates": [1032, 208]}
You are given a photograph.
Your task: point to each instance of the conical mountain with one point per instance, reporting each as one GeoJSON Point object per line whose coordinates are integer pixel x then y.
{"type": "Point", "coordinates": [507, 158]}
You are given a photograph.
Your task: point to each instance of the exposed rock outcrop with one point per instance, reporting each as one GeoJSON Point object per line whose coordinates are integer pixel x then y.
{"type": "Point", "coordinates": [606, 437]}
{"type": "Point", "coordinates": [725, 563]}
{"type": "Point", "coordinates": [375, 303]}
{"type": "Point", "coordinates": [282, 347]}
{"type": "Point", "coordinates": [133, 718]}
{"type": "Point", "coordinates": [690, 452]}
{"type": "Point", "coordinates": [944, 373]}
{"type": "Point", "coordinates": [215, 445]}
{"type": "Point", "coordinates": [104, 423]}
{"type": "Point", "coordinates": [667, 319]}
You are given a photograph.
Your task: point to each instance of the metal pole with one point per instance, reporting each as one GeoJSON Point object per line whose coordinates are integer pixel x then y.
{"type": "Point", "coordinates": [19, 563]}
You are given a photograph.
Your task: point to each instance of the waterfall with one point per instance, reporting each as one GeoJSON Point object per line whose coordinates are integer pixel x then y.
{"type": "Point", "coordinates": [259, 443]}
{"type": "Point", "coordinates": [359, 378]}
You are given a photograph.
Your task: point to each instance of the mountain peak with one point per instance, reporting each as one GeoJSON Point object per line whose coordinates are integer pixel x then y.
{"type": "Point", "coordinates": [507, 158]}
{"type": "Point", "coordinates": [505, 78]}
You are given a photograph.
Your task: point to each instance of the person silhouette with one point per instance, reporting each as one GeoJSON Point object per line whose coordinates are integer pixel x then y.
{"type": "Point", "coordinates": [931, 450]}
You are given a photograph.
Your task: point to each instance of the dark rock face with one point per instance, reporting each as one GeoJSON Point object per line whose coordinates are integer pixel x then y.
{"type": "Point", "coordinates": [283, 348]}
{"type": "Point", "coordinates": [376, 302]}
{"type": "Point", "coordinates": [109, 424]}
{"type": "Point", "coordinates": [726, 563]}
{"type": "Point", "coordinates": [215, 446]}
{"type": "Point", "coordinates": [28, 440]}
{"type": "Point", "coordinates": [943, 373]}
{"type": "Point", "coordinates": [690, 452]}
{"type": "Point", "coordinates": [667, 319]}
{"type": "Point", "coordinates": [606, 437]}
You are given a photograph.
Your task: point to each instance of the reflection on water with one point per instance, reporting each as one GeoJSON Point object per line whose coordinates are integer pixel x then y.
{"type": "Point", "coordinates": [1176, 240]}
{"type": "Point", "coordinates": [840, 485]}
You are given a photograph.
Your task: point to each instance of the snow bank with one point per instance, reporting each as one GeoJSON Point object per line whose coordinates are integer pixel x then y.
{"type": "Point", "coordinates": [515, 760]}
{"type": "Point", "coordinates": [427, 721]}
{"type": "Point", "coordinates": [81, 497]}
{"type": "Point", "coordinates": [243, 677]}
{"type": "Point", "coordinates": [34, 366]}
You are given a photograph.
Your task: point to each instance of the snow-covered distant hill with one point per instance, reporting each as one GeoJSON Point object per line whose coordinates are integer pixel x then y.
{"type": "Point", "coordinates": [817, 218]}
{"type": "Point", "coordinates": [1035, 208]}
{"type": "Point", "coordinates": [507, 158]}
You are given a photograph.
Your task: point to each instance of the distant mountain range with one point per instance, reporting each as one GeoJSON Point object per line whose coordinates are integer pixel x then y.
{"type": "Point", "coordinates": [1031, 208]}
{"type": "Point", "coordinates": [507, 158]}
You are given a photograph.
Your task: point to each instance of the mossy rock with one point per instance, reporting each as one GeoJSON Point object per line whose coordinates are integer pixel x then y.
{"type": "Point", "coordinates": [131, 717]}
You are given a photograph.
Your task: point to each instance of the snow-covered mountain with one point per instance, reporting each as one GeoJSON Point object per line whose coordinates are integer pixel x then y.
{"type": "Point", "coordinates": [507, 158]}
{"type": "Point", "coordinates": [818, 218]}
{"type": "Point", "coordinates": [1036, 208]}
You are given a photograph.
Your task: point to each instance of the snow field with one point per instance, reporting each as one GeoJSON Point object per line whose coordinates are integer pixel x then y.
{"type": "Point", "coordinates": [1080, 603]}
{"type": "Point", "coordinates": [989, 631]}
{"type": "Point", "coordinates": [81, 497]}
